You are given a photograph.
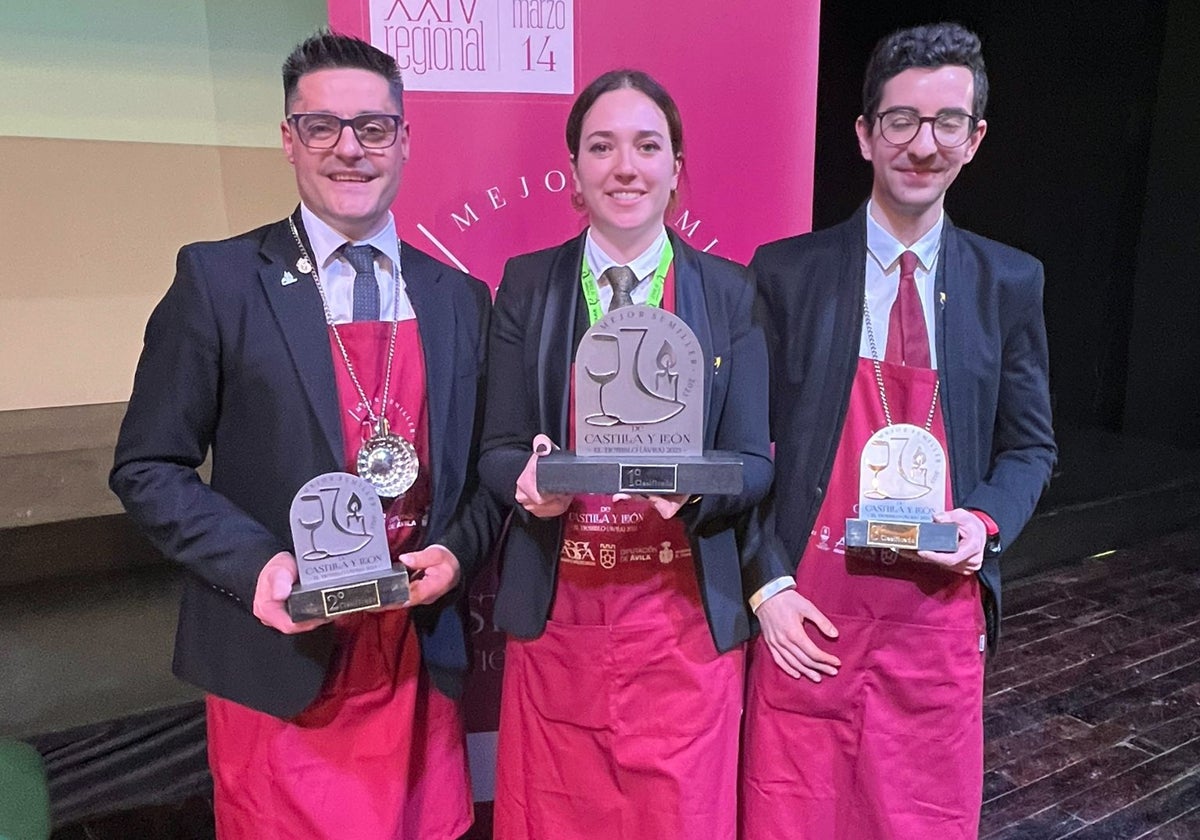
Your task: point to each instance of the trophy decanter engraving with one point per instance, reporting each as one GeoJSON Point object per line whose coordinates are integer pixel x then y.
{"type": "Point", "coordinates": [634, 403]}
{"type": "Point", "coordinates": [907, 479]}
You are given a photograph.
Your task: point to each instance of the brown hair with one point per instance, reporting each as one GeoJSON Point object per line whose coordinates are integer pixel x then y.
{"type": "Point", "coordinates": [617, 80]}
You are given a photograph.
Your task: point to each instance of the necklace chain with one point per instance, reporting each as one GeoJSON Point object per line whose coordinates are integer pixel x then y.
{"type": "Point", "coordinates": [887, 411]}
{"type": "Point", "coordinates": [378, 420]}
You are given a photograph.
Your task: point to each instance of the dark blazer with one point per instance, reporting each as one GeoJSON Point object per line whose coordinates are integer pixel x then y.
{"type": "Point", "coordinates": [992, 362]}
{"type": "Point", "coordinates": [236, 362]}
{"type": "Point", "coordinates": [537, 323]}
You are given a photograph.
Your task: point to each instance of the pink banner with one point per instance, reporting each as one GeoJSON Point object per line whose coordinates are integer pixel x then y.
{"type": "Point", "coordinates": [489, 84]}
{"type": "Point", "coordinates": [489, 175]}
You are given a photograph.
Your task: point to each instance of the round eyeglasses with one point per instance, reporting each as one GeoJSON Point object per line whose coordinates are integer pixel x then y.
{"type": "Point", "coordinates": [950, 129]}
{"type": "Point", "coordinates": [323, 131]}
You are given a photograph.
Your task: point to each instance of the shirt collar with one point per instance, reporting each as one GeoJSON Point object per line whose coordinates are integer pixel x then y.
{"type": "Point", "coordinates": [886, 249]}
{"type": "Point", "coordinates": [325, 241]}
{"type": "Point", "coordinates": [643, 265]}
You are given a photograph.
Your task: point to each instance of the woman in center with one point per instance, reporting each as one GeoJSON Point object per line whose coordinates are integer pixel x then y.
{"type": "Point", "coordinates": [626, 618]}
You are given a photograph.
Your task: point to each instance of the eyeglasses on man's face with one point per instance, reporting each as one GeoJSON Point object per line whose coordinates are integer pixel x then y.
{"type": "Point", "coordinates": [950, 128]}
{"type": "Point", "coordinates": [323, 131]}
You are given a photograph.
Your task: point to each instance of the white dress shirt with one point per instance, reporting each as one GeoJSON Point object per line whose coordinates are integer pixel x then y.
{"type": "Point", "coordinates": [337, 275]}
{"type": "Point", "coordinates": [644, 266]}
{"type": "Point", "coordinates": [883, 280]}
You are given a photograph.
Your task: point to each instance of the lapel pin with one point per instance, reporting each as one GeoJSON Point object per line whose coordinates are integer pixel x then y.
{"type": "Point", "coordinates": [716, 363]}
{"type": "Point", "coordinates": [287, 279]}
{"type": "Point", "coordinates": [942, 298]}
{"type": "Point", "coordinates": [304, 266]}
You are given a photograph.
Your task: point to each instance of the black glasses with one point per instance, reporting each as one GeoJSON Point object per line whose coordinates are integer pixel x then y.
{"type": "Point", "coordinates": [950, 129]}
{"type": "Point", "coordinates": [323, 131]}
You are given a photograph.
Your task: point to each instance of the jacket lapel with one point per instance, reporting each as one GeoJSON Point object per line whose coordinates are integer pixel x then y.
{"type": "Point", "coordinates": [300, 316]}
{"type": "Point", "coordinates": [852, 279]}
{"type": "Point", "coordinates": [948, 333]}
{"type": "Point", "coordinates": [556, 347]}
{"type": "Point", "coordinates": [436, 326]}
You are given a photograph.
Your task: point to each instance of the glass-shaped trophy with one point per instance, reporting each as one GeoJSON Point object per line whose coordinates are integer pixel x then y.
{"type": "Point", "coordinates": [340, 539]}
{"type": "Point", "coordinates": [639, 413]}
{"type": "Point", "coordinates": [902, 484]}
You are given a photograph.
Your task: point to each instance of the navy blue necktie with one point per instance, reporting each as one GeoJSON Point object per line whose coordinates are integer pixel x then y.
{"type": "Point", "coordinates": [366, 289]}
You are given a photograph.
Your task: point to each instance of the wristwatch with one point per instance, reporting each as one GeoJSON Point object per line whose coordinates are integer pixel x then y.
{"type": "Point", "coordinates": [992, 547]}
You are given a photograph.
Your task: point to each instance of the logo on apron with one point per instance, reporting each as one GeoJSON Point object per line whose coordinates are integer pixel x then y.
{"type": "Point", "coordinates": [578, 551]}
{"type": "Point", "coordinates": [608, 555]}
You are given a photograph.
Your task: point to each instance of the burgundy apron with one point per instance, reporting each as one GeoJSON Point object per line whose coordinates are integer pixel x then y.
{"type": "Point", "coordinates": [379, 753]}
{"type": "Point", "coordinates": [621, 720]}
{"type": "Point", "coordinates": [891, 747]}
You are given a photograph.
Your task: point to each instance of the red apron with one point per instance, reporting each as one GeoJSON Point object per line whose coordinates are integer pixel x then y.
{"type": "Point", "coordinates": [891, 747]}
{"type": "Point", "coordinates": [379, 753]}
{"type": "Point", "coordinates": [621, 720]}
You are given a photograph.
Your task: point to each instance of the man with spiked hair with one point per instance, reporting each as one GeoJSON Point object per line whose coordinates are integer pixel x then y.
{"type": "Point", "coordinates": [908, 374]}
{"type": "Point", "coordinates": [283, 352]}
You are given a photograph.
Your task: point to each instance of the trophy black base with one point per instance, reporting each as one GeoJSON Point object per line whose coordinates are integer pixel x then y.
{"type": "Point", "coordinates": [333, 598]}
{"type": "Point", "coordinates": [913, 536]}
{"type": "Point", "coordinates": [713, 472]}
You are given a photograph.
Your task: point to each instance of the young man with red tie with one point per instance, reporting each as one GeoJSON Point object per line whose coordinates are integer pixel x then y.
{"type": "Point", "coordinates": [908, 371]}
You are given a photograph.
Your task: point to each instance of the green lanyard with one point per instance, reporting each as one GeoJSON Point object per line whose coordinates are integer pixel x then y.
{"type": "Point", "coordinates": [591, 289]}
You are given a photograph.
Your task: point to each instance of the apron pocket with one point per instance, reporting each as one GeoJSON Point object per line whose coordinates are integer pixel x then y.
{"type": "Point", "coordinates": [674, 684]}
{"type": "Point", "coordinates": [836, 698]}
{"type": "Point", "coordinates": [927, 680]}
{"type": "Point", "coordinates": [568, 672]}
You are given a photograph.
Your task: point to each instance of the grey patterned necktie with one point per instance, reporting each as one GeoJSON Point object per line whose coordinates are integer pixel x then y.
{"type": "Point", "coordinates": [366, 289]}
{"type": "Point", "coordinates": [622, 280]}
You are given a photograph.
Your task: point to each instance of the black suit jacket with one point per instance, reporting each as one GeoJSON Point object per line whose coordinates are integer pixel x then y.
{"type": "Point", "coordinates": [237, 362]}
{"type": "Point", "coordinates": [992, 362]}
{"type": "Point", "coordinates": [538, 321]}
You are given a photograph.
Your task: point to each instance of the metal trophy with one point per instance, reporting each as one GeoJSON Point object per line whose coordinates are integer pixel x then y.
{"type": "Point", "coordinates": [639, 413]}
{"type": "Point", "coordinates": [342, 552]}
{"type": "Point", "coordinates": [902, 483]}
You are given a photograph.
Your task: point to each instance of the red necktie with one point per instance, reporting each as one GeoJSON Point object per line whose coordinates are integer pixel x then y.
{"type": "Point", "coordinates": [908, 340]}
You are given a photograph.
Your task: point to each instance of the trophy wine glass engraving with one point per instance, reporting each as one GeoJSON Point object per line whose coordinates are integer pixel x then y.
{"type": "Point", "coordinates": [602, 378]}
{"type": "Point", "coordinates": [311, 506]}
{"type": "Point", "coordinates": [878, 456]}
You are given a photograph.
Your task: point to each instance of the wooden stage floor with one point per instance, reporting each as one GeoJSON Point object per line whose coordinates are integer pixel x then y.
{"type": "Point", "coordinates": [1092, 709]}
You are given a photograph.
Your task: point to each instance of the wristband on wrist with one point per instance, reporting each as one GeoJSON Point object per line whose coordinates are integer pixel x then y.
{"type": "Point", "coordinates": [776, 586]}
